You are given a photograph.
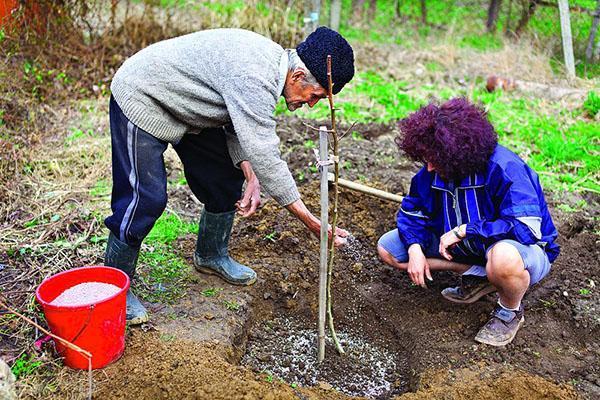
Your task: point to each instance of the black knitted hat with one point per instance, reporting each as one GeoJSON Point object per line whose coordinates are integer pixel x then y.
{"type": "Point", "coordinates": [314, 51]}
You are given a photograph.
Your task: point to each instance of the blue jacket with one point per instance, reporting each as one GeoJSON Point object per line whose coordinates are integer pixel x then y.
{"type": "Point", "coordinates": [503, 202]}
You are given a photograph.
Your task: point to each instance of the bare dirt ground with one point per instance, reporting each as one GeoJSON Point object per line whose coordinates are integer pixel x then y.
{"type": "Point", "coordinates": [401, 340]}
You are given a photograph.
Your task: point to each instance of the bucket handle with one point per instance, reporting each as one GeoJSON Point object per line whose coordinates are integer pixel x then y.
{"type": "Point", "coordinates": [85, 324]}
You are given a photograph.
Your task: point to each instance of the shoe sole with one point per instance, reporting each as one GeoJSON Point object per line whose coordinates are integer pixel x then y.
{"type": "Point", "coordinates": [138, 320]}
{"type": "Point", "coordinates": [209, 271]}
{"type": "Point", "coordinates": [505, 342]}
{"type": "Point", "coordinates": [475, 297]}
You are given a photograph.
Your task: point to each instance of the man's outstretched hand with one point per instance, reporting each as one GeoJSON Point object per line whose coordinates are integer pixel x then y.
{"type": "Point", "coordinates": [298, 208]}
{"type": "Point", "coordinates": [341, 236]}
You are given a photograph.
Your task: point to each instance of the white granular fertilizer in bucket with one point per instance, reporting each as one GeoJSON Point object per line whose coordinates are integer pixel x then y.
{"type": "Point", "coordinates": [85, 293]}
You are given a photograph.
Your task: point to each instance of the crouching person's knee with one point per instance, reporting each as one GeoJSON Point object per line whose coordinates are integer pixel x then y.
{"type": "Point", "coordinates": [390, 243]}
{"type": "Point", "coordinates": [389, 259]}
{"type": "Point", "coordinates": [504, 260]}
{"type": "Point", "coordinates": [383, 253]}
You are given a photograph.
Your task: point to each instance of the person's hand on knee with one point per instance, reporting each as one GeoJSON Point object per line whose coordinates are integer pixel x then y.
{"type": "Point", "coordinates": [450, 239]}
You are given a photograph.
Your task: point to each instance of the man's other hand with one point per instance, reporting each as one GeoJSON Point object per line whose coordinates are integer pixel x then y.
{"type": "Point", "coordinates": [250, 200]}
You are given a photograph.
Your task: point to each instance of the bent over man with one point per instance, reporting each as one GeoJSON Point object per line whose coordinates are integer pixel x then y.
{"type": "Point", "coordinates": [475, 208]}
{"type": "Point", "coordinates": [211, 95]}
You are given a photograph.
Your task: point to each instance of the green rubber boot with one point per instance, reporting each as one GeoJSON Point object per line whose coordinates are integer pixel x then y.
{"type": "Point", "coordinates": [212, 255]}
{"type": "Point", "coordinates": [124, 257]}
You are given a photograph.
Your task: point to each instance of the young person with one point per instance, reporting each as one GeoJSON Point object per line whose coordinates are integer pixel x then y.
{"type": "Point", "coordinates": [475, 208]}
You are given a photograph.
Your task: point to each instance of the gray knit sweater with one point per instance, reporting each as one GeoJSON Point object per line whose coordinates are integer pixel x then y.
{"type": "Point", "coordinates": [208, 79]}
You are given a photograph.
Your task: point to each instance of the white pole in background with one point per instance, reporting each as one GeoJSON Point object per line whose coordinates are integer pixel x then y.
{"type": "Point", "coordinates": [312, 11]}
{"type": "Point", "coordinates": [335, 14]}
{"type": "Point", "coordinates": [567, 39]}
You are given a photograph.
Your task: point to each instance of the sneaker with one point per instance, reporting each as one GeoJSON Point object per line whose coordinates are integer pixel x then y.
{"type": "Point", "coordinates": [471, 289]}
{"type": "Point", "coordinates": [501, 329]}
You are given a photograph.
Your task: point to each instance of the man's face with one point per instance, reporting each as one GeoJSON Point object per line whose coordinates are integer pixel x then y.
{"type": "Point", "coordinates": [297, 92]}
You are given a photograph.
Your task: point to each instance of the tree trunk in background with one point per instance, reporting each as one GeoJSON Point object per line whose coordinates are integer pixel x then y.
{"type": "Point", "coordinates": [493, 12]}
{"type": "Point", "coordinates": [334, 15]}
{"type": "Point", "coordinates": [312, 9]}
{"type": "Point", "coordinates": [423, 12]}
{"type": "Point", "coordinates": [508, 17]}
{"type": "Point", "coordinates": [358, 7]}
{"type": "Point", "coordinates": [526, 15]}
{"type": "Point", "coordinates": [397, 8]}
{"type": "Point", "coordinates": [372, 9]}
{"type": "Point", "coordinates": [589, 51]}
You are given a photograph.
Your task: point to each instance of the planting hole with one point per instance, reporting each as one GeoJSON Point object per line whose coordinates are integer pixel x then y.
{"type": "Point", "coordinates": [286, 349]}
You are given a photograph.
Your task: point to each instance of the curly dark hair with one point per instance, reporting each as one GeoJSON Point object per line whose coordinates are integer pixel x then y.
{"type": "Point", "coordinates": [456, 137]}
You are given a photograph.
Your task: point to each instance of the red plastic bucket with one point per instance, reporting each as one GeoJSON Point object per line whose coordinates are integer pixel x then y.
{"type": "Point", "coordinates": [98, 328]}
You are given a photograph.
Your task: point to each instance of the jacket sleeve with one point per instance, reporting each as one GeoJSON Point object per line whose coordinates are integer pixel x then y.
{"type": "Point", "coordinates": [250, 102]}
{"type": "Point", "coordinates": [519, 213]}
{"type": "Point", "coordinates": [413, 220]}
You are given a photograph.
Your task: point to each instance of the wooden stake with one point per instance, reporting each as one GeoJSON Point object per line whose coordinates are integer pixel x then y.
{"type": "Point", "coordinates": [567, 39]}
{"type": "Point", "coordinates": [323, 155]}
{"type": "Point", "coordinates": [359, 187]}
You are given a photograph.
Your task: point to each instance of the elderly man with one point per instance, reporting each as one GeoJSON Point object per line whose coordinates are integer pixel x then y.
{"type": "Point", "coordinates": [211, 95]}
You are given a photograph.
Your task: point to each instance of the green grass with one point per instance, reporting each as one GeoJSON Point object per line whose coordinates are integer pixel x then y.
{"type": "Point", "coordinates": [232, 305]}
{"type": "Point", "coordinates": [562, 149]}
{"type": "Point", "coordinates": [164, 273]}
{"type": "Point", "coordinates": [77, 134]}
{"type": "Point", "coordinates": [481, 42]}
{"type": "Point", "coordinates": [211, 292]}
{"type": "Point", "coordinates": [25, 365]}
{"type": "Point", "coordinates": [168, 228]}
{"type": "Point", "coordinates": [461, 23]}
{"type": "Point", "coordinates": [102, 188]}
{"type": "Point", "coordinates": [592, 104]}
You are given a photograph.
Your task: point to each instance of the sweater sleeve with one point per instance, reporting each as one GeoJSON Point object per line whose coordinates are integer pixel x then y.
{"type": "Point", "coordinates": [413, 220]}
{"type": "Point", "coordinates": [234, 147]}
{"type": "Point", "coordinates": [519, 216]}
{"type": "Point", "coordinates": [250, 102]}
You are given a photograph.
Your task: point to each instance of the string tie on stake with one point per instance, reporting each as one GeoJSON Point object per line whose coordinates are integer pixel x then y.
{"type": "Point", "coordinates": [332, 160]}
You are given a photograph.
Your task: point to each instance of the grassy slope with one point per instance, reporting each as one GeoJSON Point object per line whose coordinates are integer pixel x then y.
{"type": "Point", "coordinates": [563, 145]}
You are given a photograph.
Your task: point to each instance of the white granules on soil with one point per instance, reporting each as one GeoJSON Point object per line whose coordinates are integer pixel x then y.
{"type": "Point", "coordinates": [85, 293]}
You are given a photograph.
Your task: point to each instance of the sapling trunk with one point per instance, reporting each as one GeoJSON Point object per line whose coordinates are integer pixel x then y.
{"type": "Point", "coordinates": [334, 211]}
